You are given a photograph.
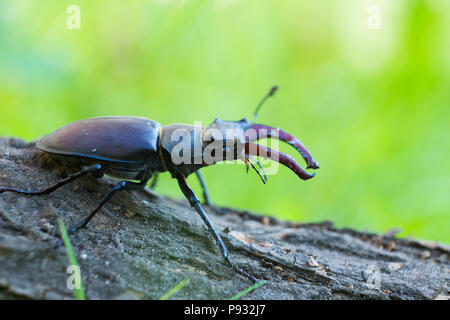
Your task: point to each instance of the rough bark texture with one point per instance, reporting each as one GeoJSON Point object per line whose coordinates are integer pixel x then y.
{"type": "Point", "coordinates": [141, 244]}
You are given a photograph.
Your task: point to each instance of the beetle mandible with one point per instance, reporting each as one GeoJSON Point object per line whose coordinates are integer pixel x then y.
{"type": "Point", "coordinates": [133, 148]}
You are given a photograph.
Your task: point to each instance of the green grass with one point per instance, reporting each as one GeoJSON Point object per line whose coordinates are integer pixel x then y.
{"type": "Point", "coordinates": [78, 292]}
{"type": "Point", "coordinates": [174, 290]}
{"type": "Point", "coordinates": [249, 289]}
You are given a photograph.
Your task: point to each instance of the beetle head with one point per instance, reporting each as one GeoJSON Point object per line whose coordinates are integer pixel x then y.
{"type": "Point", "coordinates": [193, 147]}
{"type": "Point", "coordinates": [224, 140]}
{"type": "Point", "coordinates": [235, 139]}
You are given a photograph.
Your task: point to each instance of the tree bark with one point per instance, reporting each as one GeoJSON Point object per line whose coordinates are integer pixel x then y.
{"type": "Point", "coordinates": [141, 244]}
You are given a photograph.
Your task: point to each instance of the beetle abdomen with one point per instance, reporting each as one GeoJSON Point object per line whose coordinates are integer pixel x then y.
{"type": "Point", "coordinates": [116, 139]}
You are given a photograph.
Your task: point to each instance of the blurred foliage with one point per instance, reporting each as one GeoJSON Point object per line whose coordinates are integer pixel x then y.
{"type": "Point", "coordinates": [372, 105]}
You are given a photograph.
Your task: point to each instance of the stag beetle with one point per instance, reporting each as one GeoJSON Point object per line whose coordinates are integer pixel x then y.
{"type": "Point", "coordinates": [134, 148]}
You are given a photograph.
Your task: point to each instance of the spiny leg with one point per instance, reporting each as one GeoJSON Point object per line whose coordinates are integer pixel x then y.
{"type": "Point", "coordinates": [122, 185]}
{"type": "Point", "coordinates": [195, 202]}
{"type": "Point", "coordinates": [96, 171]}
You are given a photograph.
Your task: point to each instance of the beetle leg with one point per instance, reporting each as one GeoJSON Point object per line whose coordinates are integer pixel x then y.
{"type": "Point", "coordinates": [154, 181]}
{"type": "Point", "coordinates": [195, 203]}
{"type": "Point", "coordinates": [263, 131]}
{"type": "Point", "coordinates": [122, 185]}
{"type": "Point", "coordinates": [206, 199]}
{"type": "Point", "coordinates": [286, 160]}
{"type": "Point", "coordinates": [96, 171]}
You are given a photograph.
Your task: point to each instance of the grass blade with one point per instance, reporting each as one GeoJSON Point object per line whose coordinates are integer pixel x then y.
{"type": "Point", "coordinates": [174, 290]}
{"type": "Point", "coordinates": [78, 292]}
{"type": "Point", "coordinates": [249, 289]}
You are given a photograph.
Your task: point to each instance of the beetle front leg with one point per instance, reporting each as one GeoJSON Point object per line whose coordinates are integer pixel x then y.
{"type": "Point", "coordinates": [96, 171]}
{"type": "Point", "coordinates": [195, 203]}
{"type": "Point", "coordinates": [154, 181]}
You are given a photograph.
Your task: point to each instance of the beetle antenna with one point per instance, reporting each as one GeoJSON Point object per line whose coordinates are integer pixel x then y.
{"type": "Point", "coordinates": [268, 95]}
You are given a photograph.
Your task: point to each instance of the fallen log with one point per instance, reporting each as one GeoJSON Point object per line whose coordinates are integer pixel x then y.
{"type": "Point", "coordinates": [142, 244]}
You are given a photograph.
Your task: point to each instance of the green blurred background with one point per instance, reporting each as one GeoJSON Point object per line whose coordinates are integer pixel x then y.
{"type": "Point", "coordinates": [372, 105]}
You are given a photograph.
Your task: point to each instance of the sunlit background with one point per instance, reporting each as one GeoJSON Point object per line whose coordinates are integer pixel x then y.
{"type": "Point", "coordinates": [364, 84]}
